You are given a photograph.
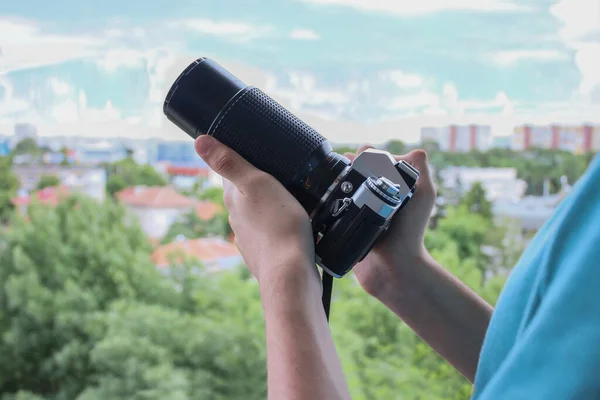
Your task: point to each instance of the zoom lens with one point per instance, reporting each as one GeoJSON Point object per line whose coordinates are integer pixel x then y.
{"type": "Point", "coordinates": [208, 99]}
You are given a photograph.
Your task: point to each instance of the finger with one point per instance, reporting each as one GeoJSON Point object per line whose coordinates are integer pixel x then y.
{"type": "Point", "coordinates": [228, 191]}
{"type": "Point", "coordinates": [224, 161]}
{"type": "Point", "coordinates": [350, 156]}
{"type": "Point", "coordinates": [416, 158]}
{"type": "Point", "coordinates": [363, 148]}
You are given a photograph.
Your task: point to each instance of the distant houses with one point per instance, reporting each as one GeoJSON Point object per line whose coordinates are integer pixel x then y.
{"type": "Point", "coordinates": [214, 254]}
{"type": "Point", "coordinates": [50, 196]}
{"type": "Point", "coordinates": [157, 208]}
{"type": "Point", "coordinates": [90, 181]}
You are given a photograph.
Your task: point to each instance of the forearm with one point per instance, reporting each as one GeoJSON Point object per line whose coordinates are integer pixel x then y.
{"type": "Point", "coordinates": [442, 310]}
{"type": "Point", "coordinates": [302, 362]}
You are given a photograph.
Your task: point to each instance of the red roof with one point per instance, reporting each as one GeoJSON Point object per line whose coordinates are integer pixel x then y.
{"type": "Point", "coordinates": [50, 195]}
{"type": "Point", "coordinates": [166, 197]}
{"type": "Point", "coordinates": [155, 197]}
{"type": "Point", "coordinates": [207, 209]}
{"type": "Point", "coordinates": [188, 171]}
{"type": "Point", "coordinates": [203, 249]}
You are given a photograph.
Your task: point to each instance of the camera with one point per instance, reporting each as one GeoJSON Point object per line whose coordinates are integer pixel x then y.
{"type": "Point", "coordinates": [350, 204]}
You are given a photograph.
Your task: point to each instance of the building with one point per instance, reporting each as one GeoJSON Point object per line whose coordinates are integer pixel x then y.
{"type": "Point", "coordinates": [157, 208]}
{"type": "Point", "coordinates": [86, 180]}
{"type": "Point", "coordinates": [50, 196]}
{"type": "Point", "coordinates": [179, 153]}
{"type": "Point", "coordinates": [574, 138]}
{"type": "Point", "coordinates": [4, 147]}
{"type": "Point", "coordinates": [100, 152]}
{"type": "Point", "coordinates": [184, 178]}
{"type": "Point", "coordinates": [499, 183]}
{"type": "Point", "coordinates": [459, 138]}
{"type": "Point", "coordinates": [24, 131]}
{"type": "Point", "coordinates": [531, 211]}
{"type": "Point", "coordinates": [214, 254]}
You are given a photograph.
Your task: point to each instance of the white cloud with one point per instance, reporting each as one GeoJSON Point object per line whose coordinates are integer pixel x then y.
{"type": "Point", "coordinates": [450, 93]}
{"type": "Point", "coordinates": [305, 92]}
{"type": "Point", "coordinates": [404, 80]}
{"type": "Point", "coordinates": [416, 7]}
{"type": "Point", "coordinates": [580, 30]}
{"type": "Point", "coordinates": [237, 31]}
{"type": "Point", "coordinates": [60, 87]}
{"type": "Point", "coordinates": [113, 59]}
{"type": "Point", "coordinates": [512, 57]}
{"type": "Point", "coordinates": [304, 34]}
{"type": "Point", "coordinates": [9, 104]}
{"type": "Point", "coordinates": [24, 45]}
{"type": "Point", "coordinates": [422, 99]}
{"type": "Point", "coordinates": [579, 17]}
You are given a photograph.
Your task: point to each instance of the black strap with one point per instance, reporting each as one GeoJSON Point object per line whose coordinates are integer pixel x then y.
{"type": "Point", "coordinates": [327, 289]}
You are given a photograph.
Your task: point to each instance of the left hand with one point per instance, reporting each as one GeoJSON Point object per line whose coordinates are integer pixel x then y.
{"type": "Point", "coordinates": [272, 230]}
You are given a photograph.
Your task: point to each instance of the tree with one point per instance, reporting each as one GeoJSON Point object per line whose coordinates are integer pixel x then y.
{"type": "Point", "coordinates": [476, 201]}
{"type": "Point", "coordinates": [85, 315]}
{"type": "Point", "coordinates": [345, 149]}
{"type": "Point", "coordinates": [48, 181]}
{"type": "Point", "coordinates": [115, 184]}
{"type": "Point", "coordinates": [9, 184]}
{"type": "Point", "coordinates": [65, 153]}
{"type": "Point", "coordinates": [396, 147]}
{"type": "Point", "coordinates": [214, 195]}
{"type": "Point", "coordinates": [27, 146]}
{"type": "Point", "coordinates": [127, 173]}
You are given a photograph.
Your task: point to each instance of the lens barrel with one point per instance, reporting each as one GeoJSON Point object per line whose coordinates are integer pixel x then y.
{"type": "Point", "coordinates": [208, 99]}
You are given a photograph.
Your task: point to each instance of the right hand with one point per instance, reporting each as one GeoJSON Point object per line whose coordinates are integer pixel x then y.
{"type": "Point", "coordinates": [403, 245]}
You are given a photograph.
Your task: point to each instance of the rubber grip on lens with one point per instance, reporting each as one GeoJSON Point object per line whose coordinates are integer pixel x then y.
{"type": "Point", "coordinates": [266, 134]}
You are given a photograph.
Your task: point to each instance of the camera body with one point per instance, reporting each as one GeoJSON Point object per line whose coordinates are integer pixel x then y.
{"type": "Point", "coordinates": [350, 204]}
{"type": "Point", "coordinates": [359, 209]}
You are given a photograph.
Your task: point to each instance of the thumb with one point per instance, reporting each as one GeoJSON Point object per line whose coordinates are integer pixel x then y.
{"type": "Point", "coordinates": [224, 161]}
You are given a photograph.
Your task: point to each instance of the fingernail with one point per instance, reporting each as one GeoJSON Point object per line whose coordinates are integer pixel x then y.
{"type": "Point", "coordinates": [203, 144]}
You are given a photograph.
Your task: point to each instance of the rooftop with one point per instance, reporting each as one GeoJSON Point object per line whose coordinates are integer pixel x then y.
{"type": "Point", "coordinates": [207, 210]}
{"type": "Point", "coordinates": [207, 250]}
{"type": "Point", "coordinates": [50, 195]}
{"type": "Point", "coordinates": [154, 197]}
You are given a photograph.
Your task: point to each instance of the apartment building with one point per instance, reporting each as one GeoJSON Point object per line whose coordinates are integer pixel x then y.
{"type": "Point", "coordinates": [574, 138]}
{"type": "Point", "coordinates": [459, 138]}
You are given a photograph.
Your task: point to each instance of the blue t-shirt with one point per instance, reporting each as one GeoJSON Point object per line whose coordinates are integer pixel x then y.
{"type": "Point", "coordinates": [543, 341]}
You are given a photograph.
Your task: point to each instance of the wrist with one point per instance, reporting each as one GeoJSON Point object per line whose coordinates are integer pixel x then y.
{"type": "Point", "coordinates": [290, 279]}
{"type": "Point", "coordinates": [399, 275]}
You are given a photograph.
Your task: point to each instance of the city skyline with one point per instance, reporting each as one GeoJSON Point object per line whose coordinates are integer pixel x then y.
{"type": "Point", "coordinates": [357, 71]}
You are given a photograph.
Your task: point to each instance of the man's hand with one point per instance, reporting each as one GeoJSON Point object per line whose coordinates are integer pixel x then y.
{"type": "Point", "coordinates": [271, 228]}
{"type": "Point", "coordinates": [403, 245]}
{"type": "Point", "coordinates": [274, 235]}
{"type": "Point", "coordinates": [401, 274]}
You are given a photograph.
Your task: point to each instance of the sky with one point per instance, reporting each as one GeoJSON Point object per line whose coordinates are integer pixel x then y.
{"type": "Point", "coordinates": [356, 70]}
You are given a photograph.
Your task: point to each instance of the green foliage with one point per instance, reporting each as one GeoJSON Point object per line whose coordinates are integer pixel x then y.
{"type": "Point", "coordinates": [27, 146]}
{"type": "Point", "coordinates": [533, 166]}
{"type": "Point", "coordinates": [396, 147]}
{"type": "Point", "coordinates": [214, 195]}
{"type": "Point", "coordinates": [127, 173]}
{"type": "Point", "coordinates": [48, 181]}
{"type": "Point", "coordinates": [65, 161]}
{"type": "Point", "coordinates": [114, 184]}
{"type": "Point", "coordinates": [84, 314]}
{"type": "Point", "coordinates": [9, 184]}
{"type": "Point", "coordinates": [345, 149]}
{"type": "Point", "coordinates": [475, 200]}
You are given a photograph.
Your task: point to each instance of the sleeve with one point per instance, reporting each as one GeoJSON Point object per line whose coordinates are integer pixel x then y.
{"type": "Point", "coordinates": [557, 352]}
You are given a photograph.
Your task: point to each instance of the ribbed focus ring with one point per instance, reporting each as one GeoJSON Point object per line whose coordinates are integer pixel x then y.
{"type": "Point", "coordinates": [266, 134]}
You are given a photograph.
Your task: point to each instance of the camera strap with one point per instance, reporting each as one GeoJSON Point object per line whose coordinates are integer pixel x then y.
{"type": "Point", "coordinates": [327, 289]}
